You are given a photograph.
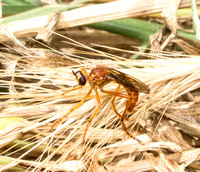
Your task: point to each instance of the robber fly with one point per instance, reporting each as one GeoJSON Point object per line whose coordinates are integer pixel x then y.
{"type": "Point", "coordinates": [98, 78]}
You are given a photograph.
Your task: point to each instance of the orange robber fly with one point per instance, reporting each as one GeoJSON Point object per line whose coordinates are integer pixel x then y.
{"type": "Point", "coordinates": [98, 78]}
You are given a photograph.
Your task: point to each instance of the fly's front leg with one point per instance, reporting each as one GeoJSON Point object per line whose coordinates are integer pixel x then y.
{"type": "Point", "coordinates": [73, 89]}
{"type": "Point", "coordinates": [58, 121]}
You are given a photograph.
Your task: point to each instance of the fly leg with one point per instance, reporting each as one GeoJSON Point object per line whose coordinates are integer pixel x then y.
{"type": "Point", "coordinates": [113, 105]}
{"type": "Point", "coordinates": [96, 112]}
{"type": "Point", "coordinates": [128, 107]}
{"type": "Point", "coordinates": [59, 120]}
{"type": "Point", "coordinates": [130, 104]}
{"type": "Point", "coordinates": [128, 133]}
{"type": "Point", "coordinates": [73, 89]}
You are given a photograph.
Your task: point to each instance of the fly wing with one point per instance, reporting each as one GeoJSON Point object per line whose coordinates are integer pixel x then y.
{"type": "Point", "coordinates": [129, 81]}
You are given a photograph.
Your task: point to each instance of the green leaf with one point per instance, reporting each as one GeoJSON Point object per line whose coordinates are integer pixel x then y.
{"type": "Point", "coordinates": [40, 11]}
{"type": "Point", "coordinates": [11, 7]}
{"type": "Point", "coordinates": [11, 10]}
{"type": "Point", "coordinates": [21, 2]}
{"type": "Point", "coordinates": [133, 28]}
{"type": "Point", "coordinates": [136, 28]}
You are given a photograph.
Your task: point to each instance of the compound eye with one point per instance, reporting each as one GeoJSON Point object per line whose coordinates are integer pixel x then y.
{"type": "Point", "coordinates": [81, 78]}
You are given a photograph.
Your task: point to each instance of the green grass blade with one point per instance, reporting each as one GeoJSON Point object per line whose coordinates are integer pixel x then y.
{"type": "Point", "coordinates": [11, 7]}
{"type": "Point", "coordinates": [40, 11]}
{"type": "Point", "coordinates": [133, 28]}
{"type": "Point", "coordinates": [195, 16]}
{"type": "Point", "coordinates": [136, 28]}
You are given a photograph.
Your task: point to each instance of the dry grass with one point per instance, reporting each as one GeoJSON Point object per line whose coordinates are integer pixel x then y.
{"type": "Point", "coordinates": [35, 97]}
{"type": "Point", "coordinates": [32, 81]}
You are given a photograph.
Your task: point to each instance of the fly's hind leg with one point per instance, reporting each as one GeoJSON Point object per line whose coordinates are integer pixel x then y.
{"type": "Point", "coordinates": [128, 133]}
{"type": "Point", "coordinates": [113, 105]}
{"type": "Point", "coordinates": [128, 104]}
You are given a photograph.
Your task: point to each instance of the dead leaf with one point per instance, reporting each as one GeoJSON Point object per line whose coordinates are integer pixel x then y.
{"type": "Point", "coordinates": [189, 46]}
{"type": "Point", "coordinates": [163, 163]}
{"type": "Point", "coordinates": [170, 14]}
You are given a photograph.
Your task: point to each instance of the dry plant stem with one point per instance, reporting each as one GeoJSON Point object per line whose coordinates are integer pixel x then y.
{"type": "Point", "coordinates": [46, 33]}
{"type": "Point", "coordinates": [170, 14]}
{"type": "Point", "coordinates": [184, 158]}
{"type": "Point", "coordinates": [162, 162]}
{"type": "Point", "coordinates": [90, 14]}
